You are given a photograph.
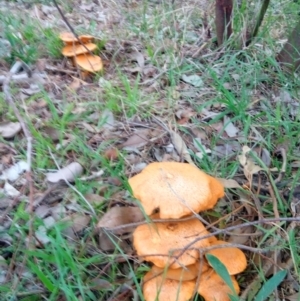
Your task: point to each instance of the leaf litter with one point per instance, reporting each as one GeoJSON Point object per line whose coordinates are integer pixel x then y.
{"type": "Point", "coordinates": [119, 146]}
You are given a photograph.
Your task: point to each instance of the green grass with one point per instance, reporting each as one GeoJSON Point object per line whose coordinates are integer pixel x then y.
{"type": "Point", "coordinates": [242, 84]}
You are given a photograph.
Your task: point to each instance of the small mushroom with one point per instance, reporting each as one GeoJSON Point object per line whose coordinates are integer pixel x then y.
{"type": "Point", "coordinates": [68, 38]}
{"type": "Point", "coordinates": [213, 288]}
{"type": "Point", "coordinates": [233, 258]}
{"type": "Point", "coordinates": [162, 289]}
{"type": "Point", "coordinates": [187, 273]}
{"type": "Point", "coordinates": [160, 243]}
{"type": "Point", "coordinates": [86, 38]}
{"type": "Point", "coordinates": [176, 189]}
{"type": "Point", "coordinates": [88, 62]}
{"type": "Point", "coordinates": [76, 49]}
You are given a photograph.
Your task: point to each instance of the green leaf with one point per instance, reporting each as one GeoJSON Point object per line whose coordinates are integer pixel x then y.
{"type": "Point", "coordinates": [221, 270]}
{"type": "Point", "coordinates": [270, 286]}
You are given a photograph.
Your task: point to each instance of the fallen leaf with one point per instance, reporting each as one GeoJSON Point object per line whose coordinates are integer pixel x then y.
{"type": "Point", "coordinates": [230, 129]}
{"type": "Point", "coordinates": [9, 129]}
{"type": "Point", "coordinates": [68, 173]}
{"type": "Point", "coordinates": [11, 191]}
{"type": "Point", "coordinates": [139, 58]}
{"type": "Point", "coordinates": [52, 133]}
{"type": "Point", "coordinates": [108, 120]}
{"type": "Point", "coordinates": [32, 90]}
{"type": "Point", "coordinates": [111, 154]}
{"type": "Point", "coordinates": [42, 211]}
{"type": "Point", "coordinates": [250, 168]}
{"type": "Point", "coordinates": [137, 140]}
{"type": "Point", "coordinates": [194, 80]}
{"type": "Point", "coordinates": [95, 199]}
{"type": "Point", "coordinates": [118, 216]}
{"type": "Point", "coordinates": [181, 147]}
{"type": "Point", "coordinates": [138, 167]}
{"type": "Point", "coordinates": [79, 221]}
{"type": "Point", "coordinates": [239, 235]}
{"type": "Point", "coordinates": [75, 84]}
{"type": "Point", "coordinates": [229, 183]}
{"type": "Point", "coordinates": [265, 157]}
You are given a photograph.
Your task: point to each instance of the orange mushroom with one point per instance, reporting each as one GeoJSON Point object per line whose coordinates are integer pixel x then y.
{"type": "Point", "coordinates": [187, 273]}
{"type": "Point", "coordinates": [69, 38]}
{"type": "Point", "coordinates": [76, 49]}
{"type": "Point", "coordinates": [156, 242]}
{"type": "Point", "coordinates": [162, 289]}
{"type": "Point", "coordinates": [176, 189]}
{"type": "Point", "coordinates": [88, 62]}
{"type": "Point", "coordinates": [233, 258]}
{"type": "Point", "coordinates": [213, 288]}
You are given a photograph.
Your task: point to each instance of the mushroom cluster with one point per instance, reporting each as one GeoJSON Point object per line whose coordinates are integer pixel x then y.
{"type": "Point", "coordinates": [80, 51]}
{"type": "Point", "coordinates": [175, 191]}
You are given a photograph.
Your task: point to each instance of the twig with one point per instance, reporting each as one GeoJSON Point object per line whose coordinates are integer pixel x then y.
{"type": "Point", "coordinates": [10, 101]}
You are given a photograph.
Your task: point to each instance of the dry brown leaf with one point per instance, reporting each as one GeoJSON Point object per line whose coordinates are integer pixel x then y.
{"type": "Point", "coordinates": [111, 154]}
{"type": "Point", "coordinates": [249, 167]}
{"type": "Point", "coordinates": [230, 129]}
{"type": "Point", "coordinates": [239, 235]}
{"type": "Point", "coordinates": [79, 221]}
{"type": "Point", "coordinates": [181, 147]}
{"type": "Point", "coordinates": [229, 183]}
{"type": "Point", "coordinates": [75, 84]}
{"type": "Point", "coordinates": [137, 140]}
{"type": "Point", "coordinates": [9, 129]}
{"type": "Point", "coordinates": [118, 216]}
{"type": "Point", "coordinates": [94, 198]}
{"type": "Point", "coordinates": [139, 58]}
{"type": "Point", "coordinates": [68, 173]}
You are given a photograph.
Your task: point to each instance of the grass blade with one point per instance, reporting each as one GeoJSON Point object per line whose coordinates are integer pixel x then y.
{"type": "Point", "coordinates": [270, 286]}
{"type": "Point", "coordinates": [220, 268]}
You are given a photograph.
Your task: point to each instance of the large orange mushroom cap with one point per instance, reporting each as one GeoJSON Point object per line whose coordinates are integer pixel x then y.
{"type": "Point", "coordinates": [233, 258]}
{"type": "Point", "coordinates": [88, 62]}
{"type": "Point", "coordinates": [213, 288]}
{"type": "Point", "coordinates": [162, 289]}
{"type": "Point", "coordinates": [156, 242]}
{"type": "Point", "coordinates": [176, 189]}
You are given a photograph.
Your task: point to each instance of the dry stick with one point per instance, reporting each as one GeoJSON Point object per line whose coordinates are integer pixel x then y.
{"type": "Point", "coordinates": [10, 101]}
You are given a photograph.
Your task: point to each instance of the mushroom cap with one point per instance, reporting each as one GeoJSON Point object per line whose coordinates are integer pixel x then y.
{"type": "Point", "coordinates": [213, 288]}
{"type": "Point", "coordinates": [233, 258]}
{"type": "Point", "coordinates": [187, 273]}
{"type": "Point", "coordinates": [86, 38]}
{"type": "Point", "coordinates": [162, 289]}
{"type": "Point", "coordinates": [88, 62]}
{"type": "Point", "coordinates": [157, 242]}
{"type": "Point", "coordinates": [177, 189]}
{"type": "Point", "coordinates": [76, 49]}
{"type": "Point", "coordinates": [69, 38]}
